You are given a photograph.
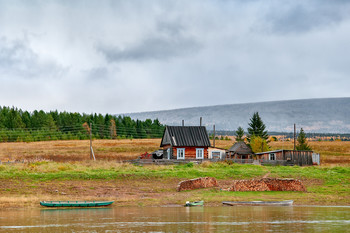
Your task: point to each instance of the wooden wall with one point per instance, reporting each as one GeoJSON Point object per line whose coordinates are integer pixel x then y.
{"type": "Point", "coordinates": [190, 152]}
{"type": "Point", "coordinates": [278, 156]}
{"type": "Point", "coordinates": [296, 157]}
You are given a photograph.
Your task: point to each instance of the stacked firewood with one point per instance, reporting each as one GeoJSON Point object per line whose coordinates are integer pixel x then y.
{"type": "Point", "coordinates": [202, 182]}
{"type": "Point", "coordinates": [268, 184]}
{"type": "Point", "coordinates": [248, 185]}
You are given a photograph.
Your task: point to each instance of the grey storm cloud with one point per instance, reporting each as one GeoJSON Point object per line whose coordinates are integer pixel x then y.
{"type": "Point", "coordinates": [97, 74]}
{"type": "Point", "coordinates": [18, 60]}
{"type": "Point", "coordinates": [303, 16]}
{"type": "Point", "coordinates": [151, 49]}
{"type": "Point", "coordinates": [105, 56]}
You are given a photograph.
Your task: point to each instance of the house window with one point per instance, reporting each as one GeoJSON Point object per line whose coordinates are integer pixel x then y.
{"type": "Point", "coordinates": [180, 153]}
{"type": "Point", "coordinates": [199, 153]}
{"type": "Point", "coordinates": [215, 155]}
{"type": "Point", "coordinates": [272, 156]}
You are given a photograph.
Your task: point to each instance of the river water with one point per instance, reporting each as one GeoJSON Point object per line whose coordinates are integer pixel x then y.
{"type": "Point", "coordinates": [178, 219]}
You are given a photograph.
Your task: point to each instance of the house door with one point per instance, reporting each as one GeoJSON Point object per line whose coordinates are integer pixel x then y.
{"type": "Point", "coordinates": [168, 153]}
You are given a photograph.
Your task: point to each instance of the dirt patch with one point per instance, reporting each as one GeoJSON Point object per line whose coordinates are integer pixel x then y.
{"type": "Point", "coordinates": [312, 182]}
{"type": "Point", "coordinates": [268, 184]}
{"type": "Point", "coordinates": [126, 192]}
{"type": "Point", "coordinates": [266, 175]}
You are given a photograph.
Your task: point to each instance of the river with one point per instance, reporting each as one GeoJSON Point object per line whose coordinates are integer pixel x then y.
{"type": "Point", "coordinates": [178, 219]}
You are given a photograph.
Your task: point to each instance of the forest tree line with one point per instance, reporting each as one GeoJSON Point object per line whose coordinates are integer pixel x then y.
{"type": "Point", "coordinates": [19, 125]}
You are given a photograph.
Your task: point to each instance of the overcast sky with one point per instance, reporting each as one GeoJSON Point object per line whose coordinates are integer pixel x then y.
{"type": "Point", "coordinates": [133, 56]}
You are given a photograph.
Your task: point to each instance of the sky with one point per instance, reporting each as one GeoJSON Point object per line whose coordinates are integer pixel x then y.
{"type": "Point", "coordinates": [134, 56]}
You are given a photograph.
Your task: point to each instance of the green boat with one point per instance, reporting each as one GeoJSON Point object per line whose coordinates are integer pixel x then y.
{"type": "Point", "coordinates": [194, 203]}
{"type": "Point", "coordinates": [75, 203]}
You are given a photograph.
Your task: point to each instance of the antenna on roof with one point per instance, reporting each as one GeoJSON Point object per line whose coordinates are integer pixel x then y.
{"type": "Point", "coordinates": [214, 136]}
{"type": "Point", "coordinates": [183, 122]}
{"type": "Point", "coordinates": [200, 121]}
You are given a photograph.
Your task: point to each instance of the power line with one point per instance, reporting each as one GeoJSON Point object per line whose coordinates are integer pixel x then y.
{"type": "Point", "coordinates": [99, 131]}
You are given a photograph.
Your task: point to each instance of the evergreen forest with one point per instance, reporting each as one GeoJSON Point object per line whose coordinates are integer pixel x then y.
{"type": "Point", "coordinates": [23, 126]}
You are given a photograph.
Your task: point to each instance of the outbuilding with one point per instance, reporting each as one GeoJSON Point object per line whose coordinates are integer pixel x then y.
{"type": "Point", "coordinates": [240, 150]}
{"type": "Point", "coordinates": [295, 157]}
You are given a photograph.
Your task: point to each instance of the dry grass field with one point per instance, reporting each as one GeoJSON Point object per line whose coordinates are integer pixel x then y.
{"type": "Point", "coordinates": [77, 150]}
{"type": "Point", "coordinates": [332, 152]}
{"type": "Point", "coordinates": [25, 184]}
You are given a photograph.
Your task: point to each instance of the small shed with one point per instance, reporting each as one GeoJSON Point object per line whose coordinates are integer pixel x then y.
{"type": "Point", "coordinates": [216, 153]}
{"type": "Point", "coordinates": [240, 150]}
{"type": "Point", "coordinates": [185, 142]}
{"type": "Point", "coordinates": [296, 157]}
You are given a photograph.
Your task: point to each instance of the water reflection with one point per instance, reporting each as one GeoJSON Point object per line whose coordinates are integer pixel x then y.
{"type": "Point", "coordinates": [177, 219]}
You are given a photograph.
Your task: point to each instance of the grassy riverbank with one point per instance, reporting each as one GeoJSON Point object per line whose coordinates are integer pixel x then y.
{"type": "Point", "coordinates": [129, 185]}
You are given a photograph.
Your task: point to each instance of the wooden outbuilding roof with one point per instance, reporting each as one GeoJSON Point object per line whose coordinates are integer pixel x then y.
{"type": "Point", "coordinates": [195, 136]}
{"type": "Point", "coordinates": [241, 148]}
{"type": "Point", "coordinates": [282, 150]}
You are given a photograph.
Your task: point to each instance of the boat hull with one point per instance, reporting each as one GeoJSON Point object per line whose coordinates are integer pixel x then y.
{"type": "Point", "coordinates": [75, 203]}
{"type": "Point", "coordinates": [259, 203]}
{"type": "Point", "coordinates": [196, 203]}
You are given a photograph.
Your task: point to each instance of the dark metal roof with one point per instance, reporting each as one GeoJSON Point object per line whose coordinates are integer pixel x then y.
{"type": "Point", "coordinates": [241, 148]}
{"type": "Point", "coordinates": [185, 136]}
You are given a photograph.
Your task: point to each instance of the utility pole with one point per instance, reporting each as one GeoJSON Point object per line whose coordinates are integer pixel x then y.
{"type": "Point", "coordinates": [90, 140]}
{"type": "Point", "coordinates": [183, 122]}
{"type": "Point", "coordinates": [200, 121]}
{"type": "Point", "coordinates": [92, 155]}
{"type": "Point", "coordinates": [214, 136]}
{"type": "Point", "coordinates": [294, 135]}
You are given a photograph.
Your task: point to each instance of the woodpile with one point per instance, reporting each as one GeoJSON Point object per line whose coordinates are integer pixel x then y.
{"type": "Point", "coordinates": [202, 182]}
{"type": "Point", "coordinates": [268, 184]}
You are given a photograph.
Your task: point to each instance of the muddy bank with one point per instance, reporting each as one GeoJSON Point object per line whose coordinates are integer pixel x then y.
{"type": "Point", "coordinates": [145, 192]}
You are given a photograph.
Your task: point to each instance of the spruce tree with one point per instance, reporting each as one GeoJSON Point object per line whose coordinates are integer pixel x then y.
{"type": "Point", "coordinates": [239, 134]}
{"type": "Point", "coordinates": [257, 128]}
{"type": "Point", "coordinates": [302, 143]}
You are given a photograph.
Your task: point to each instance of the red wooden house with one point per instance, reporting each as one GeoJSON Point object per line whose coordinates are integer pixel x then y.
{"type": "Point", "coordinates": [185, 142]}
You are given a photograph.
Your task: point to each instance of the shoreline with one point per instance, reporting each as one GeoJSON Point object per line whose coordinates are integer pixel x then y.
{"type": "Point", "coordinates": [24, 185]}
{"type": "Point", "coordinates": [150, 192]}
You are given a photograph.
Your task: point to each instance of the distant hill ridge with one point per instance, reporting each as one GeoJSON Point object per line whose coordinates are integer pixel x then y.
{"type": "Point", "coordinates": [329, 115]}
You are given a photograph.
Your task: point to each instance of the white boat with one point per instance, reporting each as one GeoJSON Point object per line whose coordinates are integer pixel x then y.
{"type": "Point", "coordinates": [259, 203]}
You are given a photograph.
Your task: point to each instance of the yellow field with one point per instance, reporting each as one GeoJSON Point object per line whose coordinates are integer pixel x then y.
{"type": "Point", "coordinates": [332, 152]}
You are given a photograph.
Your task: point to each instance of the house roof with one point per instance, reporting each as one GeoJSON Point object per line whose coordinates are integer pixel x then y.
{"type": "Point", "coordinates": [240, 148]}
{"type": "Point", "coordinates": [185, 136]}
{"type": "Point", "coordinates": [271, 151]}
